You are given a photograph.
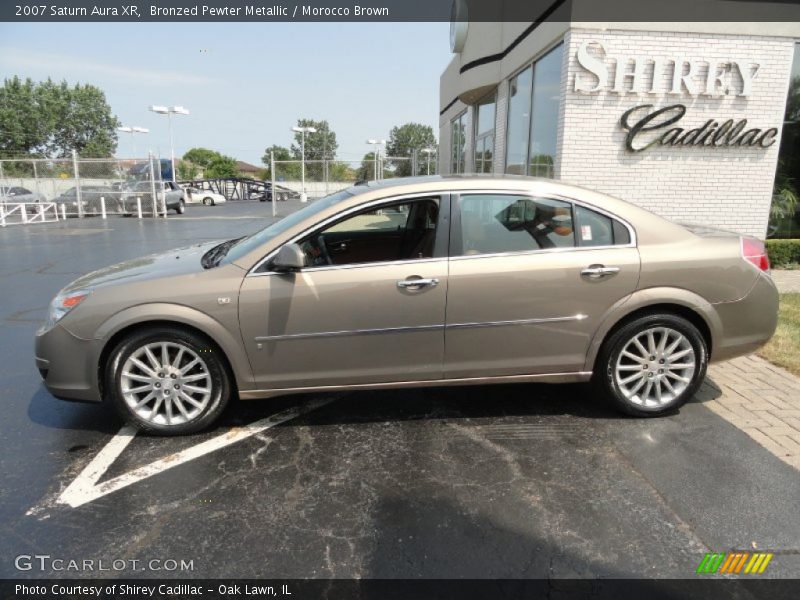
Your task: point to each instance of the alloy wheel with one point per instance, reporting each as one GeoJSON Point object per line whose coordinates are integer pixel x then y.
{"type": "Point", "coordinates": [166, 383]}
{"type": "Point", "coordinates": [655, 367]}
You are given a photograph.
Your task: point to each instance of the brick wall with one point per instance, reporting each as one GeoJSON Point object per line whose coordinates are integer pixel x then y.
{"type": "Point", "coordinates": [723, 187]}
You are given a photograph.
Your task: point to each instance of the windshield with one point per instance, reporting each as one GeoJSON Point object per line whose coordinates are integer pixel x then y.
{"type": "Point", "coordinates": [251, 242]}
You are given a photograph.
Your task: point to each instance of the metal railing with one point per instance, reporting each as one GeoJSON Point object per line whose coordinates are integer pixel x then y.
{"type": "Point", "coordinates": [85, 186]}
{"type": "Point", "coordinates": [23, 213]}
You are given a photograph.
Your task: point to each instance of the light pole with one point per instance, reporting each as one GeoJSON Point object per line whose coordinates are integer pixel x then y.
{"type": "Point", "coordinates": [303, 131]}
{"type": "Point", "coordinates": [169, 111]}
{"type": "Point", "coordinates": [428, 151]}
{"type": "Point", "coordinates": [133, 131]}
{"type": "Point", "coordinates": [377, 144]}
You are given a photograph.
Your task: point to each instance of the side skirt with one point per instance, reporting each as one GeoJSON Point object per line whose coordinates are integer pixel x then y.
{"type": "Point", "coordinates": [577, 377]}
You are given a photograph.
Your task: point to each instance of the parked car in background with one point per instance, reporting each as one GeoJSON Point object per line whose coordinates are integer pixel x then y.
{"type": "Point", "coordinates": [195, 195]}
{"type": "Point", "coordinates": [281, 193]}
{"type": "Point", "coordinates": [169, 192]}
{"type": "Point", "coordinates": [433, 281]}
{"type": "Point", "coordinates": [91, 202]}
{"type": "Point", "coordinates": [20, 194]}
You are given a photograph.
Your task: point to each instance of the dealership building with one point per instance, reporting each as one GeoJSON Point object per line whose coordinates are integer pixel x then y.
{"type": "Point", "coordinates": [687, 119]}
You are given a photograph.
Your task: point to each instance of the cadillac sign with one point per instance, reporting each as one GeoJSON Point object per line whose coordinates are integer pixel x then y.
{"type": "Point", "coordinates": [647, 126]}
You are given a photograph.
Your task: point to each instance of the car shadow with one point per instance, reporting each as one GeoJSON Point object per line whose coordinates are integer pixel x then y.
{"type": "Point", "coordinates": [578, 401]}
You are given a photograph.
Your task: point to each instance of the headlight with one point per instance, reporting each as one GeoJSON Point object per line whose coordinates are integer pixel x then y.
{"type": "Point", "coordinates": [63, 303]}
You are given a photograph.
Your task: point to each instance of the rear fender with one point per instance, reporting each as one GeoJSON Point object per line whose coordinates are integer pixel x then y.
{"type": "Point", "coordinates": [641, 299]}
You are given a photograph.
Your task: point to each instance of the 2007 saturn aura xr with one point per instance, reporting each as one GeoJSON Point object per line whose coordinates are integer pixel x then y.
{"type": "Point", "coordinates": [424, 282]}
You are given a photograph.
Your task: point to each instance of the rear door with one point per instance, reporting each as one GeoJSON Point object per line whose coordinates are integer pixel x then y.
{"type": "Point", "coordinates": [530, 280]}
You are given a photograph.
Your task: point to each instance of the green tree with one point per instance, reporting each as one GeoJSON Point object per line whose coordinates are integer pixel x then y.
{"type": "Point", "coordinates": [403, 140]}
{"type": "Point", "coordinates": [53, 119]}
{"type": "Point", "coordinates": [222, 167]}
{"type": "Point", "coordinates": [187, 170]}
{"type": "Point", "coordinates": [202, 157]}
{"type": "Point", "coordinates": [283, 170]}
{"type": "Point", "coordinates": [367, 169]}
{"type": "Point", "coordinates": [321, 145]}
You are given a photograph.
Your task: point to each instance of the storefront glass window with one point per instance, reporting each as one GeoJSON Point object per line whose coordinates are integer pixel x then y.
{"type": "Point", "coordinates": [458, 138]}
{"type": "Point", "coordinates": [544, 120]}
{"type": "Point", "coordinates": [519, 114]}
{"type": "Point", "coordinates": [785, 211]}
{"type": "Point", "coordinates": [484, 134]}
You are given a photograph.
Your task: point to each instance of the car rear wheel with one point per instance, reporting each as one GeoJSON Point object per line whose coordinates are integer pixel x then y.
{"type": "Point", "coordinates": [167, 381]}
{"type": "Point", "coordinates": [652, 365]}
{"type": "Point", "coordinates": [208, 201]}
{"type": "Point", "coordinates": [181, 207]}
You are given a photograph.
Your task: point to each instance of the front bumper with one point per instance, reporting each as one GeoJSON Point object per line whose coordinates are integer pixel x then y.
{"type": "Point", "coordinates": [68, 364]}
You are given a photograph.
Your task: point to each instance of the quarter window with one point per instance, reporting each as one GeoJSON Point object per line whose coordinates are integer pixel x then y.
{"type": "Point", "coordinates": [401, 231]}
{"type": "Point", "coordinates": [493, 224]}
{"type": "Point", "coordinates": [595, 229]}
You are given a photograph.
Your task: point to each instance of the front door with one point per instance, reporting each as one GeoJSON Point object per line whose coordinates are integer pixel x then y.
{"type": "Point", "coordinates": [368, 307]}
{"type": "Point", "coordinates": [530, 281]}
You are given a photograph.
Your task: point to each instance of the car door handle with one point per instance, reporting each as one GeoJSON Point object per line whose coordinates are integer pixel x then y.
{"type": "Point", "coordinates": [412, 283]}
{"type": "Point", "coordinates": [598, 271]}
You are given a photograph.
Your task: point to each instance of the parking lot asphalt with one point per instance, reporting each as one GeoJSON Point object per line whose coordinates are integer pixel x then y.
{"type": "Point", "coordinates": [494, 481]}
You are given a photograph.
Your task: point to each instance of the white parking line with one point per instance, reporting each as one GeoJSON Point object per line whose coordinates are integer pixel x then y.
{"type": "Point", "coordinates": [85, 488]}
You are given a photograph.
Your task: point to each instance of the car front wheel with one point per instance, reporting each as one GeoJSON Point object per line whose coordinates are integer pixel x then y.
{"type": "Point", "coordinates": [167, 381]}
{"type": "Point", "coordinates": [652, 365]}
{"type": "Point", "coordinates": [181, 207]}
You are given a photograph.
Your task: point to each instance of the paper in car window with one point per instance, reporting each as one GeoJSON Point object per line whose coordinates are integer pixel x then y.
{"type": "Point", "coordinates": [586, 233]}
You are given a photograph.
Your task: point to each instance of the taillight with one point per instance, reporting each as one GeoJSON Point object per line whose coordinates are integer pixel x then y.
{"type": "Point", "coordinates": [754, 251]}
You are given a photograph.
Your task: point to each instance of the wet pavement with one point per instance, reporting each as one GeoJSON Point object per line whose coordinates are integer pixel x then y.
{"type": "Point", "coordinates": [495, 481]}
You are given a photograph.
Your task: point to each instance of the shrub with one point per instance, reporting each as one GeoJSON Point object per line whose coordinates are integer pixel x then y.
{"type": "Point", "coordinates": [784, 254]}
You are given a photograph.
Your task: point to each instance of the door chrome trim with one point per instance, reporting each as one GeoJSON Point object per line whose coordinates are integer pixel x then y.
{"type": "Point", "coordinates": [346, 332]}
{"type": "Point", "coordinates": [413, 328]}
{"type": "Point", "coordinates": [578, 317]}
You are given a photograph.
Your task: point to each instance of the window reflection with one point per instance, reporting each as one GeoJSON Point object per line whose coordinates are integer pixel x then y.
{"type": "Point", "coordinates": [484, 133]}
{"type": "Point", "coordinates": [533, 117]}
{"type": "Point", "coordinates": [785, 210]}
{"type": "Point", "coordinates": [458, 139]}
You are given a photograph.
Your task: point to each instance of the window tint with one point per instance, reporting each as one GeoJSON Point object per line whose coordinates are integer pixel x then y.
{"type": "Point", "coordinates": [403, 231]}
{"type": "Point", "coordinates": [508, 223]}
{"type": "Point", "coordinates": [595, 229]}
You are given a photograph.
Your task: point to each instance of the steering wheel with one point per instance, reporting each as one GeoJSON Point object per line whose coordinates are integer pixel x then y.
{"type": "Point", "coordinates": [324, 249]}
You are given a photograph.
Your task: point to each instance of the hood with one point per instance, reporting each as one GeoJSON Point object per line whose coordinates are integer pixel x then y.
{"type": "Point", "coordinates": [180, 261]}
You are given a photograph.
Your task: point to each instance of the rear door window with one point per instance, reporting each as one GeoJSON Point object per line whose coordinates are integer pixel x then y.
{"type": "Point", "coordinates": [498, 223]}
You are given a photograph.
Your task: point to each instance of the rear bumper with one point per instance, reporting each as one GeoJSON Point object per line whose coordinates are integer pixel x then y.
{"type": "Point", "coordinates": [68, 365]}
{"type": "Point", "coordinates": [747, 324]}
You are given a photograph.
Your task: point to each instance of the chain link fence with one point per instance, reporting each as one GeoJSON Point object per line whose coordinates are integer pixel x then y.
{"type": "Point", "coordinates": [318, 178]}
{"type": "Point", "coordinates": [80, 187]}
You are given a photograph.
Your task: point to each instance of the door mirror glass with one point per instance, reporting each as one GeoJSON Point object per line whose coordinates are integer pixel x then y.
{"type": "Point", "coordinates": [289, 258]}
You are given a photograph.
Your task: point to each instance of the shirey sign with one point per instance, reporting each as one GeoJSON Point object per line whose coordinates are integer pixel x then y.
{"type": "Point", "coordinates": [647, 126]}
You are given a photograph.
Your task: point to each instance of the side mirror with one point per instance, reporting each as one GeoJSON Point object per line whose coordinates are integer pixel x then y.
{"type": "Point", "coordinates": [289, 258]}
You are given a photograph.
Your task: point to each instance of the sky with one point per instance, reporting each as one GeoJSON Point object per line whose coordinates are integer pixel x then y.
{"type": "Point", "coordinates": [245, 84]}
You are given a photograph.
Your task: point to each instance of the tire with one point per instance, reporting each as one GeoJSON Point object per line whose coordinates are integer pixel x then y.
{"type": "Point", "coordinates": [181, 207]}
{"type": "Point", "coordinates": [208, 201]}
{"type": "Point", "coordinates": [164, 416]}
{"type": "Point", "coordinates": [662, 387]}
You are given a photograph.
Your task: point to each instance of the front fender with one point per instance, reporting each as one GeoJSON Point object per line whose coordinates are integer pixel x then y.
{"type": "Point", "coordinates": [650, 297]}
{"type": "Point", "coordinates": [177, 313]}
